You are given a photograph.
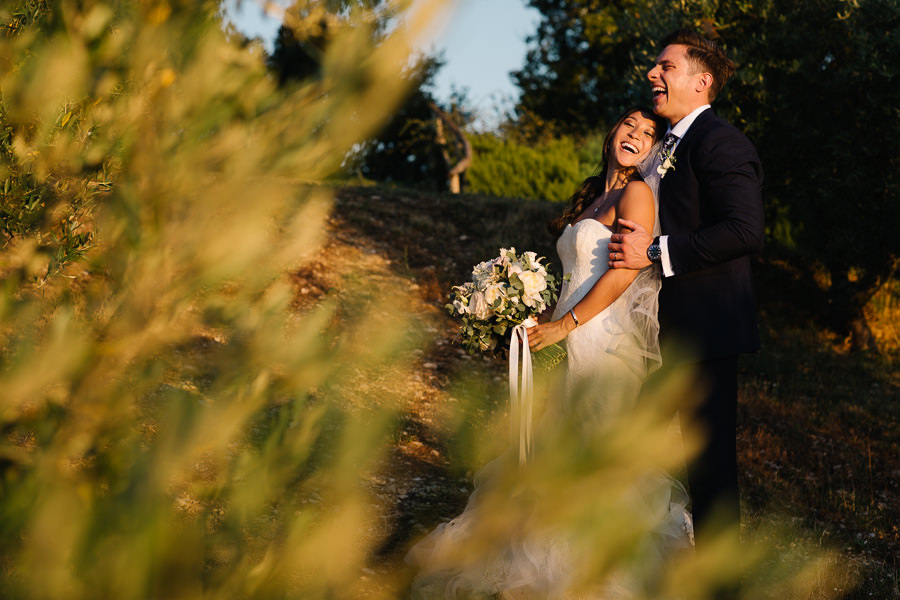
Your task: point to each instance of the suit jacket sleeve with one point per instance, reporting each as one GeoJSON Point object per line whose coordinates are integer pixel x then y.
{"type": "Point", "coordinates": [729, 176]}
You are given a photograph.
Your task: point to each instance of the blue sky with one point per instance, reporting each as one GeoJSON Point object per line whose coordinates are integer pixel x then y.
{"type": "Point", "coordinates": [482, 40]}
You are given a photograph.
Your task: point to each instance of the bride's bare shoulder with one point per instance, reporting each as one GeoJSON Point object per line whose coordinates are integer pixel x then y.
{"type": "Point", "coordinates": [637, 186]}
{"type": "Point", "coordinates": [637, 204]}
{"type": "Point", "coordinates": [637, 191]}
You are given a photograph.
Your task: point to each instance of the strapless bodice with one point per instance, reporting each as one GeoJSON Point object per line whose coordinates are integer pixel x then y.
{"type": "Point", "coordinates": [582, 248]}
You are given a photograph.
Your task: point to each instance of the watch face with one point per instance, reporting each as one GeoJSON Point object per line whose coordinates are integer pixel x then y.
{"type": "Point", "coordinates": [654, 253]}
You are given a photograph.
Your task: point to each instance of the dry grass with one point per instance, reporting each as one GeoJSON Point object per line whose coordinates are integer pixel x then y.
{"type": "Point", "coordinates": [818, 427]}
{"type": "Point", "coordinates": [819, 431]}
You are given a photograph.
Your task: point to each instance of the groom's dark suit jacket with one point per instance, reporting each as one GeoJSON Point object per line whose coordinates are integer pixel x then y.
{"type": "Point", "coordinates": [711, 208]}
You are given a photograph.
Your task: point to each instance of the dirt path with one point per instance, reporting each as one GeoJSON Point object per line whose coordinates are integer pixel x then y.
{"type": "Point", "coordinates": [420, 483]}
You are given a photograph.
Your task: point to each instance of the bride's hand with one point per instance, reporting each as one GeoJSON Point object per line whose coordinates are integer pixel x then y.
{"type": "Point", "coordinates": [547, 334]}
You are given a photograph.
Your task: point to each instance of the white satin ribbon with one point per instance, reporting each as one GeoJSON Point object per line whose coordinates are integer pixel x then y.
{"type": "Point", "coordinates": [521, 390]}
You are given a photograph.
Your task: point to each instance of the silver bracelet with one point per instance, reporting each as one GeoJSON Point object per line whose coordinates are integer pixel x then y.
{"type": "Point", "coordinates": [574, 318]}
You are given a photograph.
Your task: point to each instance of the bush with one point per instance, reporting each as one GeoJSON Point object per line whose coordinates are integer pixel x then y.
{"type": "Point", "coordinates": [550, 170]}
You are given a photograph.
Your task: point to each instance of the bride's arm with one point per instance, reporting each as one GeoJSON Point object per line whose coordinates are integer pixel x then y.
{"type": "Point", "coordinates": [636, 205]}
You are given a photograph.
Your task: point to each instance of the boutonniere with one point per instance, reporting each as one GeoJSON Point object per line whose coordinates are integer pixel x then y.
{"type": "Point", "coordinates": [667, 162]}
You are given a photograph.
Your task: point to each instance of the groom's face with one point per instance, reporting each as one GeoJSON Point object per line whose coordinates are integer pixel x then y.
{"type": "Point", "coordinates": [674, 84]}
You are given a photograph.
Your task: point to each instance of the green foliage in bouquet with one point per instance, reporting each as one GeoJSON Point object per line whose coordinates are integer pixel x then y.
{"type": "Point", "coordinates": [503, 292]}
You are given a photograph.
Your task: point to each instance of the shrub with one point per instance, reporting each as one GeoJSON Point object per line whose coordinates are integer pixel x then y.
{"type": "Point", "coordinates": [550, 170]}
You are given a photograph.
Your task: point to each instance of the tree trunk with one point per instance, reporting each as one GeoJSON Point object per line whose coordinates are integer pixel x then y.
{"type": "Point", "coordinates": [847, 300]}
{"type": "Point", "coordinates": [462, 146]}
{"type": "Point", "coordinates": [861, 336]}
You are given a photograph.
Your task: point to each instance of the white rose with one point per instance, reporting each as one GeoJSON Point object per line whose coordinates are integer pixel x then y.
{"type": "Point", "coordinates": [494, 293]}
{"type": "Point", "coordinates": [478, 306]}
{"type": "Point", "coordinates": [533, 263]}
{"type": "Point", "coordinates": [534, 284]}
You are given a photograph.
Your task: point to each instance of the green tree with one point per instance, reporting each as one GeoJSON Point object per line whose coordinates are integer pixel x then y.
{"type": "Point", "coordinates": [406, 149]}
{"type": "Point", "coordinates": [310, 27]}
{"type": "Point", "coordinates": [575, 73]}
{"type": "Point", "coordinates": [815, 80]}
{"type": "Point", "coordinates": [822, 101]}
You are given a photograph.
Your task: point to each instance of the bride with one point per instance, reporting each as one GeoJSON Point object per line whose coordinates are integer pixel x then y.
{"type": "Point", "coordinates": [607, 318]}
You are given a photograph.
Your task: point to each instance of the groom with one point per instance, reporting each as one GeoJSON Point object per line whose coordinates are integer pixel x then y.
{"type": "Point", "coordinates": [711, 219]}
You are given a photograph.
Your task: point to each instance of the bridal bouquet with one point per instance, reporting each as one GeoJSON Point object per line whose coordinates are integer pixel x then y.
{"type": "Point", "coordinates": [503, 293]}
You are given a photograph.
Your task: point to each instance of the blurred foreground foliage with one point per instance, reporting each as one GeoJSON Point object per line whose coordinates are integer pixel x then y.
{"type": "Point", "coordinates": [164, 416]}
{"type": "Point", "coordinates": [49, 211]}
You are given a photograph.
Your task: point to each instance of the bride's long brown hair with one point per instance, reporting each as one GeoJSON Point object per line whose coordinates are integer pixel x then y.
{"type": "Point", "coordinates": [595, 185]}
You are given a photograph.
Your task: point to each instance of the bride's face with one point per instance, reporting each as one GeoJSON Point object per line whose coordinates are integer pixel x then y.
{"type": "Point", "coordinates": [632, 141]}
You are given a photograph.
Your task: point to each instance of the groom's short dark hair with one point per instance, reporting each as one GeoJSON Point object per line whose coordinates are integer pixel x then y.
{"type": "Point", "coordinates": [707, 55]}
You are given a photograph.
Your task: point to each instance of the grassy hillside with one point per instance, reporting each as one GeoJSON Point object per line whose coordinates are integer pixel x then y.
{"type": "Point", "coordinates": [818, 426]}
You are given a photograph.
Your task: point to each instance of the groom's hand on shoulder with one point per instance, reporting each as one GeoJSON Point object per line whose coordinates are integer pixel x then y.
{"type": "Point", "coordinates": [628, 248]}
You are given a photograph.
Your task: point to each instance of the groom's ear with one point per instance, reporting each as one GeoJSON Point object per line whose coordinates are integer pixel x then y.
{"type": "Point", "coordinates": [704, 83]}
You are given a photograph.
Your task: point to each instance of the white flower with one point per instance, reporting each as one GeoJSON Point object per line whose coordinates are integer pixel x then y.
{"type": "Point", "coordinates": [500, 294]}
{"type": "Point", "coordinates": [668, 163]}
{"type": "Point", "coordinates": [534, 284]}
{"type": "Point", "coordinates": [462, 294]}
{"type": "Point", "coordinates": [483, 275]}
{"type": "Point", "coordinates": [494, 293]}
{"type": "Point", "coordinates": [478, 306]}
{"type": "Point", "coordinates": [533, 263]}
{"type": "Point", "coordinates": [505, 255]}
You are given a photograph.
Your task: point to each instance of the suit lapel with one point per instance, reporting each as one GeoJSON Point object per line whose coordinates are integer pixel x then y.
{"type": "Point", "coordinates": [693, 130]}
{"type": "Point", "coordinates": [682, 153]}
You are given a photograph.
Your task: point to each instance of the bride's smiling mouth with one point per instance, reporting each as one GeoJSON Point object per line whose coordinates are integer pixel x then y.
{"type": "Point", "coordinates": [629, 147]}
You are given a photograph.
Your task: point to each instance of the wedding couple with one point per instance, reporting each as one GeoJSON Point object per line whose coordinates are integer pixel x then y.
{"type": "Point", "coordinates": [671, 225]}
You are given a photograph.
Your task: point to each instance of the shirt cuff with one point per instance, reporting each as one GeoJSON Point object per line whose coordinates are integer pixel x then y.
{"type": "Point", "coordinates": [664, 259]}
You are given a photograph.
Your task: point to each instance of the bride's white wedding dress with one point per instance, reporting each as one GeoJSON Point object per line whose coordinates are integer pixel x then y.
{"type": "Point", "coordinates": [609, 356]}
{"type": "Point", "coordinates": [622, 341]}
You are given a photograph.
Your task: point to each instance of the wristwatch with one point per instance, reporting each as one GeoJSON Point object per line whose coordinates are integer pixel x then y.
{"type": "Point", "coordinates": [654, 253]}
